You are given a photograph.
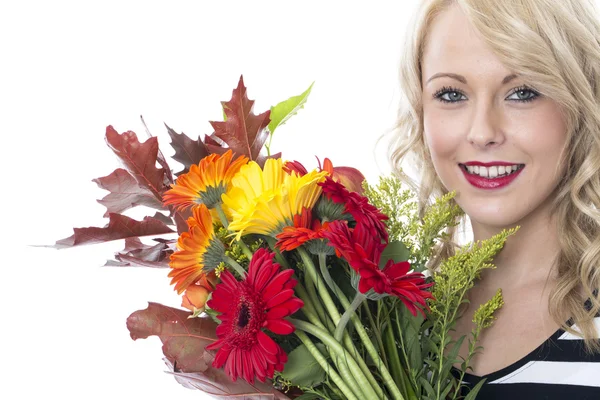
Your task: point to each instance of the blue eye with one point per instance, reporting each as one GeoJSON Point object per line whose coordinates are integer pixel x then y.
{"type": "Point", "coordinates": [449, 95]}
{"type": "Point", "coordinates": [524, 94]}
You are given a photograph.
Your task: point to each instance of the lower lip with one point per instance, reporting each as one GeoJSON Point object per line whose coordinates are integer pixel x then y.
{"type": "Point", "coordinates": [490, 183]}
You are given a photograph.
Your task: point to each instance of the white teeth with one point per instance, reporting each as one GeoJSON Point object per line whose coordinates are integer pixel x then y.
{"type": "Point", "coordinates": [492, 172]}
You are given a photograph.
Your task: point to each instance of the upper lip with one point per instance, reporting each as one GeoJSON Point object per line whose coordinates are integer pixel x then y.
{"type": "Point", "coordinates": [490, 164]}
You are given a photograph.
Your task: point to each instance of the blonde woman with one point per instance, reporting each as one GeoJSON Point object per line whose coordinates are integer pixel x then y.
{"type": "Point", "coordinates": [503, 107]}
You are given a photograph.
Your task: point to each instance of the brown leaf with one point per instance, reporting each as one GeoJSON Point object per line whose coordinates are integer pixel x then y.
{"type": "Point", "coordinates": [243, 131]}
{"type": "Point", "coordinates": [160, 158]}
{"type": "Point", "coordinates": [125, 193]}
{"type": "Point", "coordinates": [139, 159]}
{"type": "Point", "coordinates": [163, 218]}
{"type": "Point", "coordinates": [119, 227]}
{"type": "Point", "coordinates": [262, 158]}
{"type": "Point", "coordinates": [181, 217]}
{"type": "Point", "coordinates": [138, 254]}
{"type": "Point", "coordinates": [218, 385]}
{"type": "Point", "coordinates": [187, 151]}
{"type": "Point", "coordinates": [183, 339]}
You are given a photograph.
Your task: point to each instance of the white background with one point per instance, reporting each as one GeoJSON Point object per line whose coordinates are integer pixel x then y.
{"type": "Point", "coordinates": [67, 70]}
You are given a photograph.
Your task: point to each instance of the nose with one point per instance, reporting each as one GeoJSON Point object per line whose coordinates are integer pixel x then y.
{"type": "Point", "coordinates": [486, 130]}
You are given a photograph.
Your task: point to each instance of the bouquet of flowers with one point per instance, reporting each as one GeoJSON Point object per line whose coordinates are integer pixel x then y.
{"type": "Point", "coordinates": [297, 283]}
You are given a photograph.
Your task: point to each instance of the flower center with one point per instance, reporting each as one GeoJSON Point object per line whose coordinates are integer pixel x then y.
{"type": "Point", "coordinates": [211, 196]}
{"type": "Point", "coordinates": [243, 316]}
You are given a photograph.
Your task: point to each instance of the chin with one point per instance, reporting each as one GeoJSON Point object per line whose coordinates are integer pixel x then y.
{"type": "Point", "coordinates": [493, 216]}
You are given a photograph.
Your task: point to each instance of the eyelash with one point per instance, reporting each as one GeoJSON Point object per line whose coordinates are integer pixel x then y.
{"type": "Point", "coordinates": [447, 89]}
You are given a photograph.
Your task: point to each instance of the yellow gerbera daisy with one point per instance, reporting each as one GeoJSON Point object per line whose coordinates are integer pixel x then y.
{"type": "Point", "coordinates": [264, 201]}
{"type": "Point", "coordinates": [205, 182]}
{"type": "Point", "coordinates": [199, 251]}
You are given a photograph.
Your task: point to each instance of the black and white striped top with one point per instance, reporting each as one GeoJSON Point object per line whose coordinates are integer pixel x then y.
{"type": "Point", "coordinates": [559, 369]}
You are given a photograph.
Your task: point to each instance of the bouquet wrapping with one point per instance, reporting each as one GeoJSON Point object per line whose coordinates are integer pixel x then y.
{"type": "Point", "coordinates": [295, 282]}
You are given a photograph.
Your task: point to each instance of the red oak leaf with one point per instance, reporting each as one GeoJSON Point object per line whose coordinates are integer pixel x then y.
{"type": "Point", "coordinates": [187, 150]}
{"type": "Point", "coordinates": [162, 217]}
{"type": "Point", "coordinates": [125, 193]}
{"type": "Point", "coordinates": [138, 254]}
{"type": "Point", "coordinates": [243, 131]}
{"type": "Point", "coordinates": [139, 159]}
{"type": "Point", "coordinates": [119, 227]}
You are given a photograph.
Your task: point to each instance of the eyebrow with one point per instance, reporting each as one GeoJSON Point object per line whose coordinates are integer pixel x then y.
{"type": "Point", "coordinates": [462, 79]}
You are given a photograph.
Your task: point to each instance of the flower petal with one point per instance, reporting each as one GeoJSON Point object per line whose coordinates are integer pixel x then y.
{"type": "Point", "coordinates": [280, 298]}
{"type": "Point", "coordinates": [267, 344]}
{"type": "Point", "coordinates": [280, 327]}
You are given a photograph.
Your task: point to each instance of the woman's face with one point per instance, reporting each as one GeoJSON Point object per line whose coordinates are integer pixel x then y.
{"type": "Point", "coordinates": [493, 140]}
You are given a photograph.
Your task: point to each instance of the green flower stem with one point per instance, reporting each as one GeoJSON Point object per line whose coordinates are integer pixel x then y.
{"type": "Point", "coordinates": [325, 272]}
{"type": "Point", "coordinates": [412, 381]}
{"type": "Point", "coordinates": [314, 351]}
{"type": "Point", "coordinates": [364, 336]}
{"type": "Point", "coordinates": [225, 223]}
{"type": "Point", "coordinates": [309, 308]}
{"type": "Point", "coordinates": [377, 332]}
{"type": "Point", "coordinates": [222, 216]}
{"type": "Point", "coordinates": [312, 294]}
{"type": "Point", "coordinates": [311, 271]}
{"type": "Point", "coordinates": [347, 341]}
{"type": "Point", "coordinates": [278, 256]}
{"type": "Point", "coordinates": [392, 353]}
{"type": "Point", "coordinates": [349, 345]}
{"type": "Point", "coordinates": [341, 325]}
{"type": "Point", "coordinates": [356, 374]}
{"type": "Point", "coordinates": [233, 264]}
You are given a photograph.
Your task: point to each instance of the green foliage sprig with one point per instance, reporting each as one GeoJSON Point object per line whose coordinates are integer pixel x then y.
{"type": "Point", "coordinates": [428, 349]}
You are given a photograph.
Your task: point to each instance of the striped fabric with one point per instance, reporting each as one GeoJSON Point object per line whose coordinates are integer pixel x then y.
{"type": "Point", "coordinates": [559, 369]}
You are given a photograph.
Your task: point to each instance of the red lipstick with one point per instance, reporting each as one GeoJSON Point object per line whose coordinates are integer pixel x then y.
{"type": "Point", "coordinates": [481, 182]}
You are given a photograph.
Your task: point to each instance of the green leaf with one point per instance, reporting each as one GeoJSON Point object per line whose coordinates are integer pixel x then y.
{"type": "Point", "coordinates": [281, 112]}
{"type": "Point", "coordinates": [408, 328]}
{"type": "Point", "coordinates": [453, 354]}
{"type": "Point", "coordinates": [428, 388]}
{"type": "Point", "coordinates": [446, 391]}
{"type": "Point", "coordinates": [473, 392]}
{"type": "Point", "coordinates": [302, 369]}
{"type": "Point", "coordinates": [396, 251]}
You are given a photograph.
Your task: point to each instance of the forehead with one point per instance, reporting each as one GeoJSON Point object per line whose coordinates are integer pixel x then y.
{"type": "Point", "coordinates": [453, 45]}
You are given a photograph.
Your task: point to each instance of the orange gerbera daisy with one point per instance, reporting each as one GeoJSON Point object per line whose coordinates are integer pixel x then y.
{"type": "Point", "coordinates": [199, 251]}
{"type": "Point", "coordinates": [305, 229]}
{"type": "Point", "coordinates": [205, 182]}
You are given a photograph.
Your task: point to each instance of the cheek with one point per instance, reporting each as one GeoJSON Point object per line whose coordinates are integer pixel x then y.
{"type": "Point", "coordinates": [441, 141]}
{"type": "Point", "coordinates": [541, 134]}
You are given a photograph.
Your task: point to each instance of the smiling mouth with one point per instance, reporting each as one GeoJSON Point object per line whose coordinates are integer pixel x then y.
{"type": "Point", "coordinates": [492, 172]}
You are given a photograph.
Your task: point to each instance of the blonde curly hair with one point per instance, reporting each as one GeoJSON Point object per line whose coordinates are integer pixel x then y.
{"type": "Point", "coordinates": [554, 45]}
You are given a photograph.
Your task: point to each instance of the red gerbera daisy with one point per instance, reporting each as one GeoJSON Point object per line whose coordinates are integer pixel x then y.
{"type": "Point", "coordinates": [363, 253]}
{"type": "Point", "coordinates": [261, 301]}
{"type": "Point", "coordinates": [358, 206]}
{"type": "Point", "coordinates": [356, 245]}
{"type": "Point", "coordinates": [395, 279]}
